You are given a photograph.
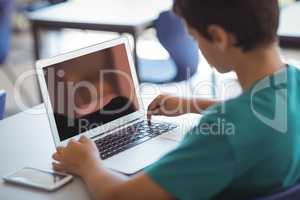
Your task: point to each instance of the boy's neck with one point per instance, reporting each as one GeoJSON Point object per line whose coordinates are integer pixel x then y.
{"type": "Point", "coordinates": [255, 65]}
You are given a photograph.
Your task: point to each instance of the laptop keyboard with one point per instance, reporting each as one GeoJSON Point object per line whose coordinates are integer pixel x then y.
{"type": "Point", "coordinates": [131, 136]}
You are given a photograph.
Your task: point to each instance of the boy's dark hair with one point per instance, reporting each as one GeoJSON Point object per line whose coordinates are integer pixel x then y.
{"type": "Point", "coordinates": [254, 23]}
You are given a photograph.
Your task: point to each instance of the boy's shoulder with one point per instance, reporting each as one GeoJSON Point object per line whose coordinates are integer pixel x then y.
{"type": "Point", "coordinates": [260, 109]}
{"type": "Point", "coordinates": [294, 71]}
{"type": "Point", "coordinates": [260, 97]}
{"type": "Point", "coordinates": [231, 109]}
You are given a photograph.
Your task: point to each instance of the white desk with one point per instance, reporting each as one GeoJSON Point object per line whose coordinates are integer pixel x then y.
{"type": "Point", "coordinates": [25, 140]}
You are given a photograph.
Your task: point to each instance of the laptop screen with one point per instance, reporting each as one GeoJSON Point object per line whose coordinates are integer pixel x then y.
{"type": "Point", "coordinates": [91, 90]}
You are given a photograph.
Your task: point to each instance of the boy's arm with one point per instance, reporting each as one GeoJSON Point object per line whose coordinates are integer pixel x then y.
{"type": "Point", "coordinates": [169, 105]}
{"type": "Point", "coordinates": [82, 158]}
{"type": "Point", "coordinates": [198, 105]}
{"type": "Point", "coordinates": [104, 184]}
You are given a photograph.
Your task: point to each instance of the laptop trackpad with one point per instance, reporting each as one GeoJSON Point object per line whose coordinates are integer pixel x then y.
{"type": "Point", "coordinates": [140, 156]}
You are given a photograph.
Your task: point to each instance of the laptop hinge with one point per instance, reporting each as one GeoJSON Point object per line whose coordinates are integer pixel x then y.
{"type": "Point", "coordinates": [116, 128]}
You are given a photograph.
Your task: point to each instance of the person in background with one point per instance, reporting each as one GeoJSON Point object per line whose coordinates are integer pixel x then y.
{"type": "Point", "coordinates": [257, 150]}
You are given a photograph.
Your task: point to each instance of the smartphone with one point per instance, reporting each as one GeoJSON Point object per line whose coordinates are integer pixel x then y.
{"type": "Point", "coordinates": [40, 179]}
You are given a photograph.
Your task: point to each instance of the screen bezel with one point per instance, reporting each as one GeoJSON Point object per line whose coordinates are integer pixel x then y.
{"type": "Point", "coordinates": [41, 64]}
{"type": "Point", "coordinates": [66, 178]}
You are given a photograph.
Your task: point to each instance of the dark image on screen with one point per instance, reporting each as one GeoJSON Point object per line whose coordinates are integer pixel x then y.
{"type": "Point", "coordinates": [91, 90]}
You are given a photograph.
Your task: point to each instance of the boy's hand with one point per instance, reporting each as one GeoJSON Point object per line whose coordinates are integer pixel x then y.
{"type": "Point", "coordinates": [78, 157]}
{"type": "Point", "coordinates": [167, 105]}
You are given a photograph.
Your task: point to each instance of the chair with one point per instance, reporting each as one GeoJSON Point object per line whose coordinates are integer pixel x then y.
{"type": "Point", "coordinates": [5, 28]}
{"type": "Point", "coordinates": [291, 194]}
{"type": "Point", "coordinates": [183, 51]}
{"type": "Point", "coordinates": [2, 103]}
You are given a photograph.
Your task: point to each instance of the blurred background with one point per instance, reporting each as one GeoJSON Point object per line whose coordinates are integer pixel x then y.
{"type": "Point", "coordinates": [34, 29]}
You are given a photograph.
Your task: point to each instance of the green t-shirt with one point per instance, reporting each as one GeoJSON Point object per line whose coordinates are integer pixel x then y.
{"type": "Point", "coordinates": [247, 147]}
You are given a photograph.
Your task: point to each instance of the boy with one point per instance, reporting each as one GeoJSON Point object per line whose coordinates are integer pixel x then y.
{"type": "Point", "coordinates": [256, 156]}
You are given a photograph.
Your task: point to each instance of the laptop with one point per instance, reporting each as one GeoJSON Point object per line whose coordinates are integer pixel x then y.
{"type": "Point", "coordinates": [94, 92]}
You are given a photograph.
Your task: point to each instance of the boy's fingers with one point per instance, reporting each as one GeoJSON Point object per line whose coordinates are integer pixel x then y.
{"type": "Point", "coordinates": [154, 112]}
{"type": "Point", "coordinates": [83, 139]}
{"type": "Point", "coordinates": [150, 110]}
{"type": "Point", "coordinates": [152, 105]}
{"type": "Point", "coordinates": [56, 156]}
{"type": "Point", "coordinates": [155, 103]}
{"type": "Point", "coordinates": [72, 143]}
{"type": "Point", "coordinates": [149, 114]}
{"type": "Point", "coordinates": [59, 149]}
{"type": "Point", "coordinates": [58, 167]}
{"type": "Point", "coordinates": [157, 111]}
{"type": "Point", "coordinates": [153, 108]}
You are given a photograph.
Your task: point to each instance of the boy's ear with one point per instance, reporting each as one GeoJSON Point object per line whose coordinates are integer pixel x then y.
{"type": "Point", "coordinates": [222, 39]}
